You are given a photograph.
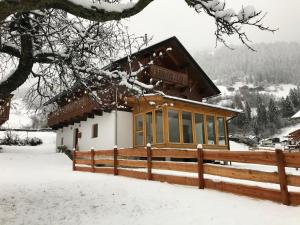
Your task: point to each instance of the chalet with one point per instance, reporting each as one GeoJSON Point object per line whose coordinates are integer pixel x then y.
{"type": "Point", "coordinates": [4, 109]}
{"type": "Point", "coordinates": [294, 137]}
{"type": "Point", "coordinates": [176, 118]}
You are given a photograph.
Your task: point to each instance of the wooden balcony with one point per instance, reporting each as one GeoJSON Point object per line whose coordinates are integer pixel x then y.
{"type": "Point", "coordinates": [75, 111]}
{"type": "Point", "coordinates": [4, 110]}
{"type": "Point", "coordinates": [170, 76]}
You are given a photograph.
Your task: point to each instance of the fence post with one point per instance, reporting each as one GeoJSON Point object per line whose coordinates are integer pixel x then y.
{"type": "Point", "coordinates": [149, 162]}
{"type": "Point", "coordinates": [282, 176]}
{"type": "Point", "coordinates": [74, 158]}
{"type": "Point", "coordinates": [200, 166]}
{"type": "Point", "coordinates": [93, 159]}
{"type": "Point", "coordinates": [115, 160]}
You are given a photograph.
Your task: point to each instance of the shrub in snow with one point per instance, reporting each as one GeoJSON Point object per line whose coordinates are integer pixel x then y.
{"type": "Point", "coordinates": [33, 141]}
{"type": "Point", "coordinates": [61, 148]}
{"type": "Point", "coordinates": [11, 139]}
{"type": "Point", "coordinates": [14, 139]}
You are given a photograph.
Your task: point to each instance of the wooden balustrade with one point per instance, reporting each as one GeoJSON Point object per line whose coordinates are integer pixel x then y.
{"type": "Point", "coordinates": [72, 111]}
{"type": "Point", "coordinates": [167, 75]}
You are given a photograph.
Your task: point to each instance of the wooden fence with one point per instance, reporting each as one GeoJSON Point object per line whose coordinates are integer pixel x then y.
{"type": "Point", "coordinates": [140, 163]}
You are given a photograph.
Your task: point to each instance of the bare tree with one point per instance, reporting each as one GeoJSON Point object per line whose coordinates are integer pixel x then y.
{"type": "Point", "coordinates": [57, 48]}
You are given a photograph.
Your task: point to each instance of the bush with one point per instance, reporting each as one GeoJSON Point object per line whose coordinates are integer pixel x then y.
{"type": "Point", "coordinates": [33, 141]}
{"type": "Point", "coordinates": [61, 148]}
{"type": "Point", "coordinates": [14, 139]}
{"type": "Point", "coordinates": [64, 149]}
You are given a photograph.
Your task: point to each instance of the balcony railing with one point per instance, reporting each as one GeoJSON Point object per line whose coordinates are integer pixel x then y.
{"type": "Point", "coordinates": [74, 110]}
{"type": "Point", "coordinates": [167, 75]}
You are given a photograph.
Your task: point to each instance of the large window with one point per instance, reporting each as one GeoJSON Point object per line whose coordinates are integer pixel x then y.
{"type": "Point", "coordinates": [221, 130]}
{"type": "Point", "coordinates": [139, 134]}
{"type": "Point", "coordinates": [149, 128]}
{"type": "Point", "coordinates": [183, 127]}
{"type": "Point", "coordinates": [174, 132]}
{"type": "Point", "coordinates": [210, 121]}
{"type": "Point", "coordinates": [159, 126]}
{"type": "Point", "coordinates": [187, 127]}
{"type": "Point", "coordinates": [199, 128]}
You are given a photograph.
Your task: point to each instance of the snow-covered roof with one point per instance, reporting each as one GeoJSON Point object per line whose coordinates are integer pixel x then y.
{"type": "Point", "coordinates": [297, 115]}
{"type": "Point", "coordinates": [197, 102]}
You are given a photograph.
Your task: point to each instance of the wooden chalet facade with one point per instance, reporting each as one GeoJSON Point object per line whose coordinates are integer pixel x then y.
{"type": "Point", "coordinates": [4, 109]}
{"type": "Point", "coordinates": [176, 119]}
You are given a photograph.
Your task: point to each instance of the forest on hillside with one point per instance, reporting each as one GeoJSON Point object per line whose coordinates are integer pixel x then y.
{"type": "Point", "coordinates": [274, 63]}
{"type": "Point", "coordinates": [271, 65]}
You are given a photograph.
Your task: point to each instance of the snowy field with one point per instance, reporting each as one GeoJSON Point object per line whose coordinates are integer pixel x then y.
{"type": "Point", "coordinates": [38, 187]}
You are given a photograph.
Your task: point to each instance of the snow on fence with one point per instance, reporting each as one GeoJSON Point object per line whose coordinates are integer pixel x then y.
{"type": "Point", "coordinates": [150, 164]}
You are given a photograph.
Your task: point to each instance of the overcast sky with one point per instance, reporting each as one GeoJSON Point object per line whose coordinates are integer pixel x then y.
{"type": "Point", "coordinates": [165, 18]}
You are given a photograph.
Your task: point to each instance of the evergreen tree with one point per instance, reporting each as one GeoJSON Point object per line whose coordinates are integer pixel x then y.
{"type": "Point", "coordinates": [295, 97]}
{"type": "Point", "coordinates": [273, 111]}
{"type": "Point", "coordinates": [286, 107]}
{"type": "Point", "coordinates": [248, 111]}
{"type": "Point", "coordinates": [262, 118]}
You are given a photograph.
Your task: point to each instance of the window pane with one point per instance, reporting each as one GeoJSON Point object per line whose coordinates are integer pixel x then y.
{"type": "Point", "coordinates": [139, 134]}
{"type": "Point", "coordinates": [139, 138]}
{"type": "Point", "coordinates": [221, 128]}
{"type": "Point", "coordinates": [199, 127]}
{"type": "Point", "coordinates": [139, 123]}
{"type": "Point", "coordinates": [159, 126]}
{"type": "Point", "coordinates": [95, 131]}
{"type": "Point", "coordinates": [187, 127]}
{"type": "Point", "coordinates": [210, 129]}
{"type": "Point", "coordinates": [149, 132]}
{"type": "Point", "coordinates": [174, 135]}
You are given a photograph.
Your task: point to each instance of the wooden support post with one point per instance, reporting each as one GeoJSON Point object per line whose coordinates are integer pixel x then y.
{"type": "Point", "coordinates": [93, 159]}
{"type": "Point", "coordinates": [74, 159]}
{"type": "Point", "coordinates": [200, 166]}
{"type": "Point", "coordinates": [149, 162]}
{"type": "Point", "coordinates": [115, 160]}
{"type": "Point", "coordinates": [282, 176]}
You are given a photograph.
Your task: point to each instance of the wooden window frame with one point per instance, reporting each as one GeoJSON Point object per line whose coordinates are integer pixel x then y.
{"type": "Point", "coordinates": [142, 130]}
{"type": "Point", "coordinates": [215, 130]}
{"type": "Point", "coordinates": [193, 126]}
{"type": "Point", "coordinates": [165, 126]}
{"type": "Point", "coordinates": [203, 130]}
{"type": "Point", "coordinates": [93, 130]}
{"type": "Point", "coordinates": [179, 125]}
{"type": "Point", "coordinates": [145, 126]}
{"type": "Point", "coordinates": [154, 127]}
{"type": "Point", "coordinates": [225, 130]}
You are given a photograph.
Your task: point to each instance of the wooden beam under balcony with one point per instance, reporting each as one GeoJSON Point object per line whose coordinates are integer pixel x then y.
{"type": "Point", "coordinates": [75, 111]}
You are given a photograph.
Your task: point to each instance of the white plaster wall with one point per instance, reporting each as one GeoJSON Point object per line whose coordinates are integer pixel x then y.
{"type": "Point", "coordinates": [67, 134]}
{"type": "Point", "coordinates": [125, 131]}
{"type": "Point", "coordinates": [106, 132]}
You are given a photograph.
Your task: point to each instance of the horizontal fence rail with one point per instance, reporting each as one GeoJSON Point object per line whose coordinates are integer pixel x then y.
{"type": "Point", "coordinates": [140, 163]}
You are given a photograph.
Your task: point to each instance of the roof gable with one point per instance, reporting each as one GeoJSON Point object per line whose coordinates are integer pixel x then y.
{"type": "Point", "coordinates": [181, 59]}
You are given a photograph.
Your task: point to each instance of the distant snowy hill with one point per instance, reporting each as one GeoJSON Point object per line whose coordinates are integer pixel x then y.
{"type": "Point", "coordinates": [228, 92]}
{"type": "Point", "coordinates": [278, 91]}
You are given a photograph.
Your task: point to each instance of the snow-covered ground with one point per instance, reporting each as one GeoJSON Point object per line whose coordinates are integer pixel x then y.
{"type": "Point", "coordinates": [38, 187]}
